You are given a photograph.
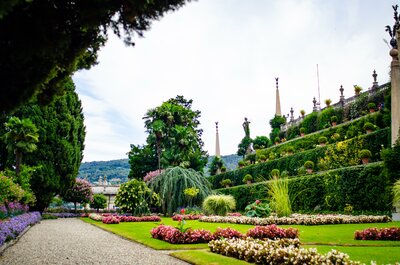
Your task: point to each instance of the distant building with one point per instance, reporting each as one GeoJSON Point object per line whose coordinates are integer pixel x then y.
{"type": "Point", "coordinates": [110, 191]}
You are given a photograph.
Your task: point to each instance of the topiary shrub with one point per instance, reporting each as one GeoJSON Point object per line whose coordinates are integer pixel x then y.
{"type": "Point", "coordinates": [309, 164]}
{"type": "Point", "coordinates": [364, 153]}
{"type": "Point", "coordinates": [368, 126]}
{"type": "Point", "coordinates": [322, 140]}
{"type": "Point", "coordinates": [219, 204]}
{"type": "Point", "coordinates": [334, 119]}
{"type": "Point", "coordinates": [226, 182]}
{"type": "Point", "coordinates": [275, 173]}
{"type": "Point", "coordinates": [171, 183]}
{"type": "Point", "coordinates": [247, 178]}
{"type": "Point", "coordinates": [371, 106]}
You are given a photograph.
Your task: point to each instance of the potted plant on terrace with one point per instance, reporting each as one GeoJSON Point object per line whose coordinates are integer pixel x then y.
{"type": "Point", "coordinates": [247, 179]}
{"type": "Point", "coordinates": [302, 113]}
{"type": "Point", "coordinates": [290, 150]}
{"type": "Point", "coordinates": [369, 127]}
{"type": "Point", "coordinates": [309, 166]}
{"type": "Point", "coordinates": [328, 102]}
{"type": "Point", "coordinates": [357, 90]}
{"type": "Point", "coordinates": [322, 140]}
{"type": "Point", "coordinates": [275, 173]}
{"type": "Point", "coordinates": [277, 140]}
{"type": "Point", "coordinates": [334, 120]}
{"type": "Point", "coordinates": [364, 155]}
{"type": "Point", "coordinates": [226, 183]}
{"type": "Point", "coordinates": [302, 131]}
{"type": "Point", "coordinates": [241, 163]}
{"type": "Point", "coordinates": [371, 107]}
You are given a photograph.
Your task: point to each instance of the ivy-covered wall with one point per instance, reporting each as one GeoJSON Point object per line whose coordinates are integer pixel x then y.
{"type": "Point", "coordinates": [365, 187]}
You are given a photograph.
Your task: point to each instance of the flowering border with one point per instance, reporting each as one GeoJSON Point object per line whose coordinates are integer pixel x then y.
{"type": "Point", "coordinates": [116, 219]}
{"type": "Point", "coordinates": [11, 228]}
{"type": "Point", "coordinates": [282, 251]}
{"type": "Point", "coordinates": [389, 233]}
{"type": "Point", "coordinates": [298, 219]}
{"type": "Point", "coordinates": [179, 217]}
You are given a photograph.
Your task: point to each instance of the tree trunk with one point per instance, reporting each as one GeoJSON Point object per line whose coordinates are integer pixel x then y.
{"type": "Point", "coordinates": [18, 160]}
{"type": "Point", "coordinates": [75, 206]}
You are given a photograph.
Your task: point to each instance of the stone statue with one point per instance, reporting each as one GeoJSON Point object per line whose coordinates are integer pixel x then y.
{"type": "Point", "coordinates": [246, 127]}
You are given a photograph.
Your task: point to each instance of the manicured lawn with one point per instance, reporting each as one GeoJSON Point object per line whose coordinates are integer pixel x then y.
{"type": "Point", "coordinates": [322, 237]}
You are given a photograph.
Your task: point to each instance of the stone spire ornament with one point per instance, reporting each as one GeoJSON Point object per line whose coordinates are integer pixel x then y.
{"type": "Point", "coordinates": [314, 105]}
{"type": "Point", "coordinates": [395, 77]}
{"type": "Point", "coordinates": [217, 149]}
{"type": "Point", "coordinates": [278, 101]}
{"type": "Point", "coordinates": [291, 115]}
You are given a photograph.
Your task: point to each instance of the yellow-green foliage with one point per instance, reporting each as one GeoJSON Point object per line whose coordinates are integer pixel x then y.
{"type": "Point", "coordinates": [341, 154]}
{"type": "Point", "coordinates": [278, 190]}
{"type": "Point", "coordinates": [396, 193]}
{"type": "Point", "coordinates": [219, 204]}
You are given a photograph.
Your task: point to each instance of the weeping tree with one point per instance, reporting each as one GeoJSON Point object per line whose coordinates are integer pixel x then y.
{"type": "Point", "coordinates": [170, 186]}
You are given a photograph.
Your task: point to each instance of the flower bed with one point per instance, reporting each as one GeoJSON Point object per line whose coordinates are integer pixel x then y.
{"type": "Point", "coordinates": [116, 219]}
{"type": "Point", "coordinates": [11, 228]}
{"type": "Point", "coordinates": [234, 214]}
{"type": "Point", "coordinates": [65, 215]}
{"type": "Point", "coordinates": [179, 217]}
{"type": "Point", "coordinates": [282, 251]}
{"type": "Point", "coordinates": [176, 236]}
{"type": "Point", "coordinates": [272, 232]}
{"type": "Point", "coordinates": [298, 219]}
{"type": "Point", "coordinates": [390, 233]}
{"type": "Point", "coordinates": [12, 209]}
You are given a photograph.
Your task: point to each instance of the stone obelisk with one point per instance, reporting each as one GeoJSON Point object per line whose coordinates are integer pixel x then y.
{"type": "Point", "coordinates": [217, 149]}
{"type": "Point", "coordinates": [278, 101]}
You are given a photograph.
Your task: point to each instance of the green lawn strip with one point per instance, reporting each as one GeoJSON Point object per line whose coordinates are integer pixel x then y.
{"type": "Point", "coordinates": [206, 257]}
{"type": "Point", "coordinates": [342, 234]}
{"type": "Point", "coordinates": [382, 255]}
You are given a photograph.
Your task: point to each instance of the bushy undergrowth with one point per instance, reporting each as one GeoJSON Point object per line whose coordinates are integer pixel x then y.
{"type": "Point", "coordinates": [219, 204]}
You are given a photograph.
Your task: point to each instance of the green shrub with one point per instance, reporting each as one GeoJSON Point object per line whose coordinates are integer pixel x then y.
{"type": "Point", "coordinates": [241, 163]}
{"type": "Point", "coordinates": [277, 140]}
{"type": "Point", "coordinates": [368, 126]}
{"type": "Point", "coordinates": [364, 153]}
{"type": "Point", "coordinates": [226, 182]}
{"type": "Point", "coordinates": [135, 197]}
{"type": "Point", "coordinates": [309, 164]}
{"type": "Point", "coordinates": [302, 130]}
{"type": "Point", "coordinates": [334, 119]}
{"type": "Point", "coordinates": [262, 158]}
{"type": "Point", "coordinates": [275, 173]}
{"type": "Point", "coordinates": [371, 105]}
{"type": "Point", "coordinates": [219, 204]}
{"type": "Point", "coordinates": [290, 149]}
{"type": "Point", "coordinates": [322, 140]}
{"type": "Point", "coordinates": [99, 202]}
{"type": "Point", "coordinates": [247, 177]}
{"type": "Point", "coordinates": [396, 193]}
{"type": "Point", "coordinates": [310, 122]}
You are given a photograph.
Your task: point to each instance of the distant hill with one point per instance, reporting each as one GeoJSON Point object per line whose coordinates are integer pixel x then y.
{"type": "Point", "coordinates": [114, 170]}
{"type": "Point", "coordinates": [118, 170]}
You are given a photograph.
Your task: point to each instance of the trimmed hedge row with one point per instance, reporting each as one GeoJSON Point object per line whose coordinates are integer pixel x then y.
{"type": "Point", "coordinates": [333, 134]}
{"type": "Point", "coordinates": [291, 163]}
{"type": "Point", "coordinates": [364, 187]}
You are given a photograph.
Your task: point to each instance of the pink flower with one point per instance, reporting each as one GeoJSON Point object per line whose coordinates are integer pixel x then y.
{"type": "Point", "coordinates": [258, 201]}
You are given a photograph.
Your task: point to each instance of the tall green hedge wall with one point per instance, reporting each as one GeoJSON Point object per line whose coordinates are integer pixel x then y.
{"type": "Point", "coordinates": [364, 187]}
{"type": "Point", "coordinates": [291, 163]}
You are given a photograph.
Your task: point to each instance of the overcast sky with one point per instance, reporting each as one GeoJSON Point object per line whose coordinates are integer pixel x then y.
{"type": "Point", "coordinates": [224, 55]}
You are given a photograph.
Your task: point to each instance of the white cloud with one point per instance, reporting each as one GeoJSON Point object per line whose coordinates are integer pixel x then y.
{"type": "Point", "coordinates": [224, 55]}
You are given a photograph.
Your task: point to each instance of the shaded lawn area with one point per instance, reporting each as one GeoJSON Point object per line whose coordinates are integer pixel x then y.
{"type": "Point", "coordinates": [322, 237]}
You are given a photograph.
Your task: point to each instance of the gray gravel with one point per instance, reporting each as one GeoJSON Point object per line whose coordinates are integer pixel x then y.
{"type": "Point", "coordinates": [72, 241]}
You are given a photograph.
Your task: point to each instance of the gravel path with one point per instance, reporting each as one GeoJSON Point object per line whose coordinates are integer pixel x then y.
{"type": "Point", "coordinates": [72, 241]}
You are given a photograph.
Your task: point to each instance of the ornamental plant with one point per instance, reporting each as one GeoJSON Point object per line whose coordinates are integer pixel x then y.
{"type": "Point", "coordinates": [258, 209]}
{"type": "Point", "coordinates": [364, 153]}
{"type": "Point", "coordinates": [396, 193]}
{"type": "Point", "coordinates": [371, 106]}
{"type": "Point", "coordinates": [219, 204]}
{"type": "Point", "coordinates": [278, 190]}
{"type": "Point", "coordinates": [309, 165]}
{"type": "Point", "coordinates": [99, 202]}
{"type": "Point", "coordinates": [302, 113]}
{"type": "Point", "coordinates": [247, 178]}
{"type": "Point", "coordinates": [241, 163]}
{"type": "Point", "coordinates": [334, 119]}
{"type": "Point", "coordinates": [328, 102]}
{"type": "Point", "coordinates": [12, 227]}
{"type": "Point", "coordinates": [302, 130]}
{"type": "Point", "coordinates": [368, 126]}
{"type": "Point", "coordinates": [226, 182]}
{"type": "Point", "coordinates": [322, 140]}
{"type": "Point", "coordinates": [391, 233]}
{"type": "Point", "coordinates": [190, 194]}
{"type": "Point", "coordinates": [290, 149]}
{"type": "Point", "coordinates": [272, 232]}
{"type": "Point", "coordinates": [357, 89]}
{"type": "Point", "coordinates": [275, 173]}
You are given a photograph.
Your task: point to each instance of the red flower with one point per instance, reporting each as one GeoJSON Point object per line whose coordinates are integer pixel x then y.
{"type": "Point", "coordinates": [258, 201]}
{"type": "Point", "coordinates": [183, 211]}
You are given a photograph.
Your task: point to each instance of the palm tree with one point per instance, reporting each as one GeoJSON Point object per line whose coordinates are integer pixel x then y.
{"type": "Point", "coordinates": [21, 137]}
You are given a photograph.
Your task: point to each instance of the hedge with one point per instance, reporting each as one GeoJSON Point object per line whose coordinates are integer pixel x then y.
{"type": "Point", "coordinates": [345, 131]}
{"type": "Point", "coordinates": [364, 187]}
{"type": "Point", "coordinates": [291, 163]}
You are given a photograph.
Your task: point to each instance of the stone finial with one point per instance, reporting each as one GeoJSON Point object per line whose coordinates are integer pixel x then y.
{"type": "Point", "coordinates": [341, 100]}
{"type": "Point", "coordinates": [291, 114]}
{"type": "Point", "coordinates": [375, 83]}
{"type": "Point", "coordinates": [392, 30]}
{"type": "Point", "coordinates": [314, 105]}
